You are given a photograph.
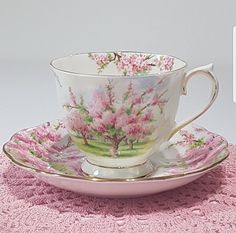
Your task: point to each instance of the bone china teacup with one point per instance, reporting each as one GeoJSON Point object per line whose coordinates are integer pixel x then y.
{"type": "Point", "coordinates": [120, 106]}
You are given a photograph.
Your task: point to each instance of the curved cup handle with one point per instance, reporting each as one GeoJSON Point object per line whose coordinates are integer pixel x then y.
{"type": "Point", "coordinates": [207, 72]}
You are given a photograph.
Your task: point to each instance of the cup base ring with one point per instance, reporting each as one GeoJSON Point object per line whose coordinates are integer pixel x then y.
{"type": "Point", "coordinates": [96, 171]}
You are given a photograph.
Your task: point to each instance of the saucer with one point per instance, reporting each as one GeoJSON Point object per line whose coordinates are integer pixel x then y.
{"type": "Point", "coordinates": [48, 152]}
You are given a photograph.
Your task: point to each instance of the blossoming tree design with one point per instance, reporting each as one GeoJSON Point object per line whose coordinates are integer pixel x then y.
{"type": "Point", "coordinates": [132, 64]}
{"type": "Point", "coordinates": [79, 120]}
{"type": "Point", "coordinates": [113, 123]}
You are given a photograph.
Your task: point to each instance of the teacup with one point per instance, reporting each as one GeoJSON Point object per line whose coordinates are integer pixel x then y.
{"type": "Point", "coordinates": [119, 107]}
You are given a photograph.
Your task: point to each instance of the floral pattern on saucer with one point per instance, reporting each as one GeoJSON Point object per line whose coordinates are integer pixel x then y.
{"type": "Point", "coordinates": [191, 149]}
{"type": "Point", "coordinates": [45, 147]}
{"type": "Point", "coordinates": [49, 148]}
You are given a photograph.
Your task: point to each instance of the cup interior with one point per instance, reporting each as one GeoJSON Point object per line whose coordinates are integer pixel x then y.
{"type": "Point", "coordinates": [117, 64]}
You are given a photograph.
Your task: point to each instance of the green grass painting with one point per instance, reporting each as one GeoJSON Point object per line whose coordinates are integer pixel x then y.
{"type": "Point", "coordinates": [103, 149]}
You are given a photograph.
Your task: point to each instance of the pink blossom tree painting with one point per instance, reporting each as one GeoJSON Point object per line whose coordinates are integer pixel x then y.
{"type": "Point", "coordinates": [115, 122]}
{"type": "Point", "coordinates": [79, 120]}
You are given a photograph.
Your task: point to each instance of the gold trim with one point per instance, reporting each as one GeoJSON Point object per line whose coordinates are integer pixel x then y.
{"type": "Point", "coordinates": [137, 165]}
{"type": "Point", "coordinates": [35, 170]}
{"type": "Point", "coordinates": [119, 179]}
{"type": "Point", "coordinates": [117, 76]}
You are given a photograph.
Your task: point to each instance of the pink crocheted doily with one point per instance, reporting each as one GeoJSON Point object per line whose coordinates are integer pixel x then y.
{"type": "Point", "coordinates": [206, 205]}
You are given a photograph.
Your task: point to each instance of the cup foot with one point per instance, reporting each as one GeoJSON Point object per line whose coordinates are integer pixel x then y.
{"type": "Point", "coordinates": [137, 171]}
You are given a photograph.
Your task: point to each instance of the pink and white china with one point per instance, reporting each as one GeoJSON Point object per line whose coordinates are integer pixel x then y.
{"type": "Point", "coordinates": [119, 107]}
{"type": "Point", "coordinates": [47, 151]}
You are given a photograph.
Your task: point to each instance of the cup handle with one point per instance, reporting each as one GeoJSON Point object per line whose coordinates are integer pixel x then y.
{"type": "Point", "coordinates": [207, 72]}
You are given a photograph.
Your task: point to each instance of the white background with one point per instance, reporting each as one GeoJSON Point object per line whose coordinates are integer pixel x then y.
{"type": "Point", "coordinates": [34, 32]}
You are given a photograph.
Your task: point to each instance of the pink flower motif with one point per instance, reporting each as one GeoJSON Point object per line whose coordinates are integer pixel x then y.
{"type": "Point", "coordinates": [100, 59]}
{"type": "Point", "coordinates": [102, 98]}
{"type": "Point", "coordinates": [28, 147]}
{"type": "Point", "coordinates": [99, 126]}
{"type": "Point", "coordinates": [198, 148]}
{"type": "Point", "coordinates": [155, 101]}
{"type": "Point", "coordinates": [39, 150]}
{"type": "Point", "coordinates": [133, 130]}
{"type": "Point", "coordinates": [20, 147]}
{"type": "Point", "coordinates": [95, 113]}
{"type": "Point", "coordinates": [166, 63]}
{"type": "Point", "coordinates": [24, 151]}
{"type": "Point", "coordinates": [43, 134]}
{"type": "Point", "coordinates": [137, 100]}
{"type": "Point", "coordinates": [72, 98]}
{"type": "Point", "coordinates": [120, 111]}
{"type": "Point", "coordinates": [23, 138]}
{"type": "Point", "coordinates": [76, 123]}
{"type": "Point", "coordinates": [132, 64]}
{"type": "Point", "coordinates": [53, 137]}
{"type": "Point", "coordinates": [188, 138]}
{"type": "Point", "coordinates": [36, 146]}
{"type": "Point", "coordinates": [149, 90]}
{"type": "Point", "coordinates": [132, 119]}
{"type": "Point", "coordinates": [148, 116]}
{"type": "Point", "coordinates": [100, 103]}
{"type": "Point", "coordinates": [109, 118]}
{"type": "Point", "coordinates": [121, 121]}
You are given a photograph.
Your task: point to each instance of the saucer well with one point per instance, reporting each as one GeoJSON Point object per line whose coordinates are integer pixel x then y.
{"type": "Point", "coordinates": [47, 152]}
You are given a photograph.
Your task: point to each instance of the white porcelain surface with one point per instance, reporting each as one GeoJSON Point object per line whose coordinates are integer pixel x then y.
{"type": "Point", "coordinates": [117, 173]}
